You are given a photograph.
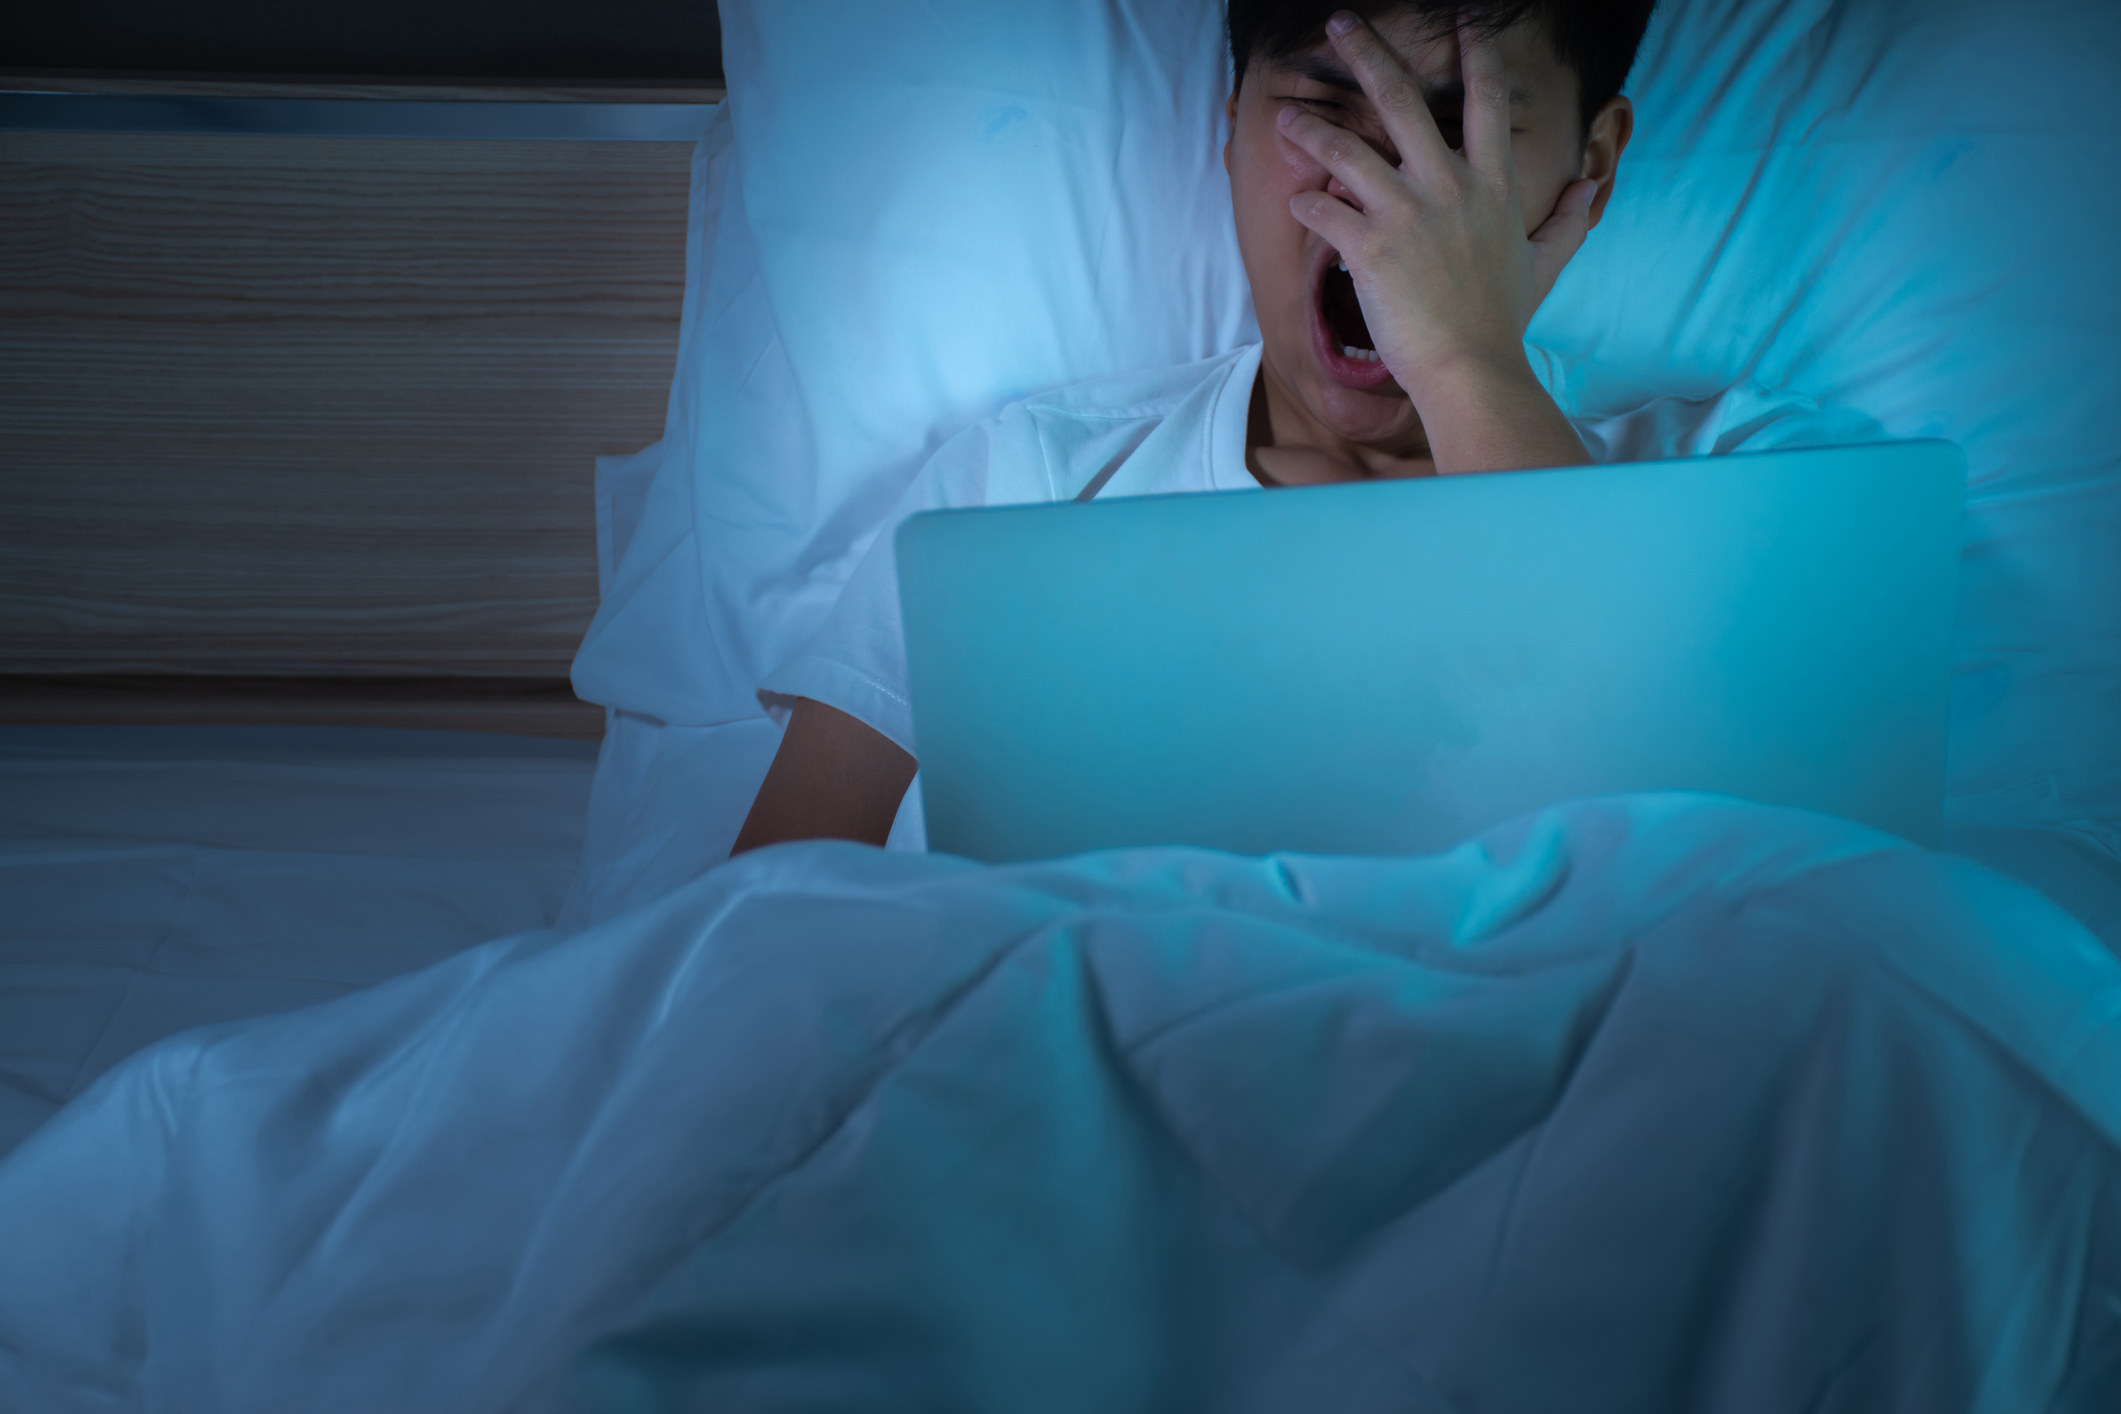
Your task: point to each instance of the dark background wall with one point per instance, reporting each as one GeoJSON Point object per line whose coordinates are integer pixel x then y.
{"type": "Point", "coordinates": [398, 39]}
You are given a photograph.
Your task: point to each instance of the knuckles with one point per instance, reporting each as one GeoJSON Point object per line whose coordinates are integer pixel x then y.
{"type": "Point", "coordinates": [1398, 96]}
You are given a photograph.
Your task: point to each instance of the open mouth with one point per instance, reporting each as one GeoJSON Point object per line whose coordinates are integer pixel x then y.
{"type": "Point", "coordinates": [1342, 335]}
{"type": "Point", "coordinates": [1342, 312]}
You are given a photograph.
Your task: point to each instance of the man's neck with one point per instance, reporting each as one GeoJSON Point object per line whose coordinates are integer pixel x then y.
{"type": "Point", "coordinates": [1285, 447]}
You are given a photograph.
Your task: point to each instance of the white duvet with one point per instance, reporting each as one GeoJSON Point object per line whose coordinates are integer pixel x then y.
{"type": "Point", "coordinates": [1645, 1103]}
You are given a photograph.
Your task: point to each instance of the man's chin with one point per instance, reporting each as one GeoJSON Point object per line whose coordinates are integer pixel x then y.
{"type": "Point", "coordinates": [1378, 414]}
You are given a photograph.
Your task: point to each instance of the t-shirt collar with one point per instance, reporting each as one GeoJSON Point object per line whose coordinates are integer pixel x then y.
{"type": "Point", "coordinates": [1228, 423]}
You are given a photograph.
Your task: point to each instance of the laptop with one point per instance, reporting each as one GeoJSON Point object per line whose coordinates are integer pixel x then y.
{"type": "Point", "coordinates": [1392, 667]}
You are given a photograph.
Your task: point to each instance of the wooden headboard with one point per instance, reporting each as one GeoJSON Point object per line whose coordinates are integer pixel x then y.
{"type": "Point", "coordinates": [302, 389]}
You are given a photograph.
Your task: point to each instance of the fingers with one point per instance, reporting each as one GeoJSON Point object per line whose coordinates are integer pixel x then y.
{"type": "Point", "coordinates": [1561, 235]}
{"type": "Point", "coordinates": [1487, 106]}
{"type": "Point", "coordinates": [1360, 169]}
{"type": "Point", "coordinates": [1335, 222]}
{"type": "Point", "coordinates": [1401, 105]}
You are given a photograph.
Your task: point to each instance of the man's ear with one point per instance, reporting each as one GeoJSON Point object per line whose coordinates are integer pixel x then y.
{"type": "Point", "coordinates": [1610, 132]}
{"type": "Point", "coordinates": [1229, 129]}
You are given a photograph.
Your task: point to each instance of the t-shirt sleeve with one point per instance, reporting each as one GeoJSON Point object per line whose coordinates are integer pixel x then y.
{"type": "Point", "coordinates": [857, 659]}
{"type": "Point", "coordinates": [1741, 418]}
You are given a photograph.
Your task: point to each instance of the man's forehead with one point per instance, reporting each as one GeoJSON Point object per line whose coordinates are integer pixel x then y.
{"type": "Point", "coordinates": [1428, 46]}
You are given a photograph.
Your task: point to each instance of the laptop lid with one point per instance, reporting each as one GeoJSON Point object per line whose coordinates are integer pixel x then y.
{"type": "Point", "coordinates": [1390, 667]}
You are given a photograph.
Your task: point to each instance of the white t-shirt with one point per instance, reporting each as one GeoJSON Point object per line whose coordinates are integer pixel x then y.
{"type": "Point", "coordinates": [1166, 430]}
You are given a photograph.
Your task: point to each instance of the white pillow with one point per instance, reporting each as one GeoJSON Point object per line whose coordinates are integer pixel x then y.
{"type": "Point", "coordinates": [1909, 208]}
{"type": "Point", "coordinates": [656, 647]}
{"type": "Point", "coordinates": [927, 214]}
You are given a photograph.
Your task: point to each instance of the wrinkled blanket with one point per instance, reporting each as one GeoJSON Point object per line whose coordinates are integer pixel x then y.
{"type": "Point", "coordinates": [1639, 1104]}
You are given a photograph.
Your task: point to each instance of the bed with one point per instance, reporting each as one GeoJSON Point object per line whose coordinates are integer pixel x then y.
{"type": "Point", "coordinates": [1647, 1102]}
{"type": "Point", "coordinates": [162, 878]}
{"type": "Point", "coordinates": [301, 397]}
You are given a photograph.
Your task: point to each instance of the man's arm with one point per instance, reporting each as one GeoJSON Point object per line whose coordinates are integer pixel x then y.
{"type": "Point", "coordinates": [1496, 417]}
{"type": "Point", "coordinates": [834, 778]}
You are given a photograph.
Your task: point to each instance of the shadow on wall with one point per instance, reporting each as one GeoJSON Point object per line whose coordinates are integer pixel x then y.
{"type": "Point", "coordinates": [400, 39]}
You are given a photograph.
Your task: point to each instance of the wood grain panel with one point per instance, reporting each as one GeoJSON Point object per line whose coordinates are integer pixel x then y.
{"type": "Point", "coordinates": [529, 707]}
{"type": "Point", "coordinates": [307, 406]}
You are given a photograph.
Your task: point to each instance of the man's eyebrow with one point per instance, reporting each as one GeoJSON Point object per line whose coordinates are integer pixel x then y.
{"type": "Point", "coordinates": [1452, 92]}
{"type": "Point", "coordinates": [1321, 69]}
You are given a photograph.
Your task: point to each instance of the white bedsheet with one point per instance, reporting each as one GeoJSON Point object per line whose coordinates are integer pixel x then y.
{"type": "Point", "coordinates": [666, 808]}
{"type": "Point", "coordinates": [1647, 1103]}
{"type": "Point", "coordinates": [156, 879]}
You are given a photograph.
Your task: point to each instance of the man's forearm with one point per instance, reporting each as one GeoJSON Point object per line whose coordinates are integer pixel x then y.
{"type": "Point", "coordinates": [1495, 416]}
{"type": "Point", "coordinates": [834, 777]}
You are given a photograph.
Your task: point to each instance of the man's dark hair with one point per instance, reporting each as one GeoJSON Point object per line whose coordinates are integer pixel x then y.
{"type": "Point", "coordinates": [1596, 38]}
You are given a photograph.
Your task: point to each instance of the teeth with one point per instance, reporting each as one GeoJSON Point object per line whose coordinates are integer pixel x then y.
{"type": "Point", "coordinates": [1363, 355]}
{"type": "Point", "coordinates": [1342, 267]}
